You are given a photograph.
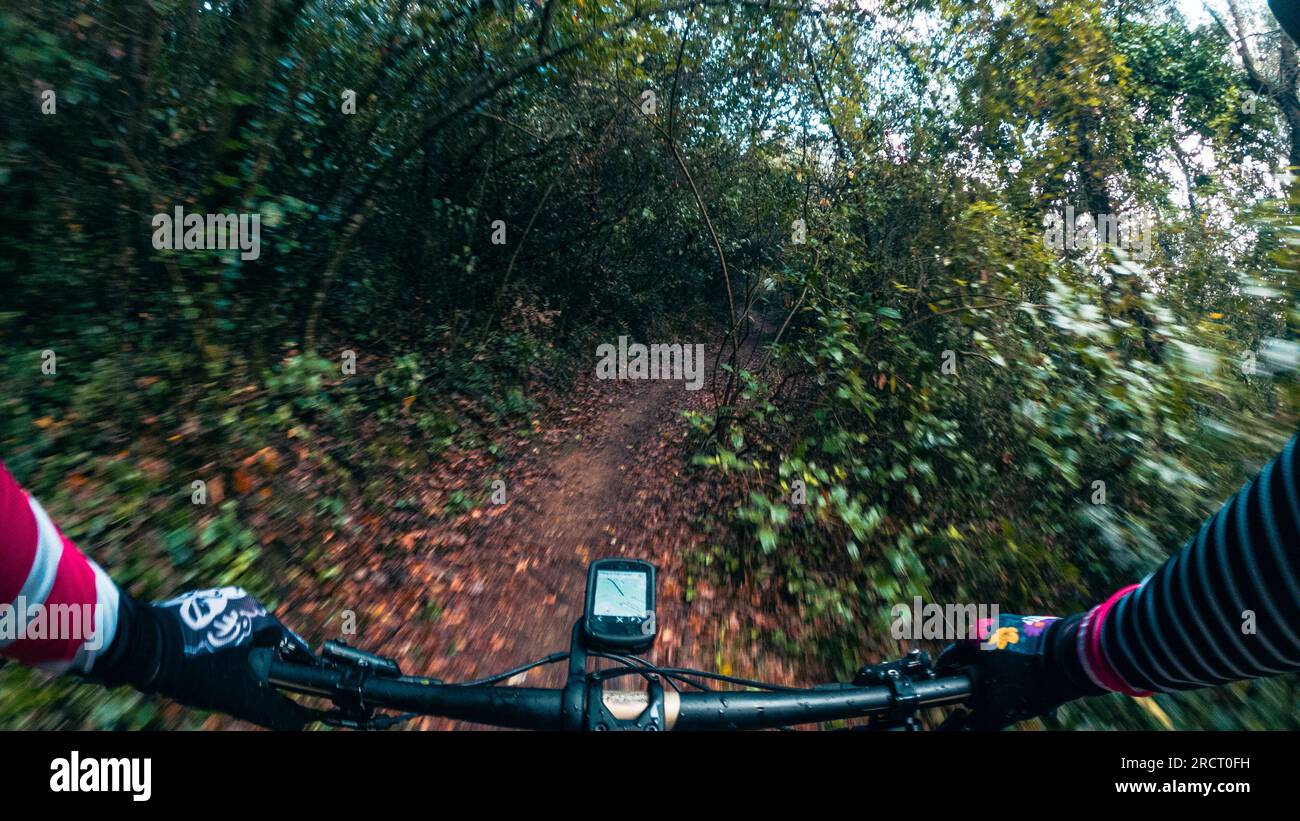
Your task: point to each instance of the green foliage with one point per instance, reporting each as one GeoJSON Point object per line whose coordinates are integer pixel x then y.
{"type": "Point", "coordinates": [950, 393]}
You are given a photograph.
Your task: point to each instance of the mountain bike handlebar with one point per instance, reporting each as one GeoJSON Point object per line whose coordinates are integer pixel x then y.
{"type": "Point", "coordinates": [359, 683]}
{"type": "Point", "coordinates": [532, 708]}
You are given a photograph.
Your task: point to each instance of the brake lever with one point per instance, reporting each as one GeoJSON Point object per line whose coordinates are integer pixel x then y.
{"type": "Point", "coordinates": [342, 654]}
{"type": "Point", "coordinates": [352, 667]}
{"type": "Point", "coordinates": [296, 651]}
{"type": "Point", "coordinates": [900, 675]}
{"type": "Point", "coordinates": [340, 718]}
{"type": "Point", "coordinates": [958, 721]}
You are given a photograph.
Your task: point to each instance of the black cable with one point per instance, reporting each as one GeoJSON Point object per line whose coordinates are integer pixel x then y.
{"type": "Point", "coordinates": [743, 682]}
{"type": "Point", "coordinates": [675, 673]}
{"type": "Point", "coordinates": [551, 659]}
{"type": "Point", "coordinates": [681, 673]}
{"type": "Point", "coordinates": [647, 671]}
{"type": "Point", "coordinates": [628, 660]}
{"type": "Point", "coordinates": [604, 675]}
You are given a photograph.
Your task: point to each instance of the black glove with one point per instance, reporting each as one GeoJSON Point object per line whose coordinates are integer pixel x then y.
{"type": "Point", "coordinates": [1021, 669]}
{"type": "Point", "coordinates": [195, 649]}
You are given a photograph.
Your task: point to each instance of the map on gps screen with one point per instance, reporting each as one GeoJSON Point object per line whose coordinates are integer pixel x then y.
{"type": "Point", "coordinates": [620, 593]}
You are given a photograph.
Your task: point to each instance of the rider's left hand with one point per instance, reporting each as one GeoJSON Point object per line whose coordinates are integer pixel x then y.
{"type": "Point", "coordinates": [195, 649]}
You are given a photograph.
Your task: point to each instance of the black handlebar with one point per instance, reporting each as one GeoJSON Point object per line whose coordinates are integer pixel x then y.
{"type": "Point", "coordinates": [524, 708]}
{"type": "Point", "coordinates": [892, 689]}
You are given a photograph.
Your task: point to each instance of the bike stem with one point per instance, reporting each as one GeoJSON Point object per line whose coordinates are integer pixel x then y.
{"type": "Point", "coordinates": [582, 702]}
{"type": "Point", "coordinates": [573, 702]}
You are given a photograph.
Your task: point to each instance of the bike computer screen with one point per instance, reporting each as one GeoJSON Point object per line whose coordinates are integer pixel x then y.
{"type": "Point", "coordinates": [620, 611]}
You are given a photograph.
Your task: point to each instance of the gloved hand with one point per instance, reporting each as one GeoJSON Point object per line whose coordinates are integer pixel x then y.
{"type": "Point", "coordinates": [195, 649]}
{"type": "Point", "coordinates": [1016, 669]}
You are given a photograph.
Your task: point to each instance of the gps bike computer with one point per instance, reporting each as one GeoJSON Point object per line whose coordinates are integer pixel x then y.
{"type": "Point", "coordinates": [620, 610]}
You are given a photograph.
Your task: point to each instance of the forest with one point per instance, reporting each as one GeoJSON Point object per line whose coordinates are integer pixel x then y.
{"type": "Point", "coordinates": [995, 300]}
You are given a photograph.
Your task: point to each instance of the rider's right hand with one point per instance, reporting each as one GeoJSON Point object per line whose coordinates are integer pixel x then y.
{"type": "Point", "coordinates": [1016, 669]}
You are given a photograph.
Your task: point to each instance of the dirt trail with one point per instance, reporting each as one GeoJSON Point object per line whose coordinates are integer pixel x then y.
{"type": "Point", "coordinates": [605, 484]}
{"type": "Point", "coordinates": [603, 474]}
{"type": "Point", "coordinates": [610, 482]}
{"type": "Point", "coordinates": [585, 502]}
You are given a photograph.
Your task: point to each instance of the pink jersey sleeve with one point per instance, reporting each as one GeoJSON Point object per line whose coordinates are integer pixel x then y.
{"type": "Point", "coordinates": [58, 609]}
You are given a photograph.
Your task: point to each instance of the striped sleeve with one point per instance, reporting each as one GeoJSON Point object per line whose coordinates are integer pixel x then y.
{"type": "Point", "coordinates": [58, 609]}
{"type": "Point", "coordinates": [1226, 607]}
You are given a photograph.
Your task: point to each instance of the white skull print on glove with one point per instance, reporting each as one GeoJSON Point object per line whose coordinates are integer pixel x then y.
{"type": "Point", "coordinates": [218, 617]}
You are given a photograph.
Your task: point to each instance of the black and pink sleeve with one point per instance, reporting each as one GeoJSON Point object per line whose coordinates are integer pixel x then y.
{"type": "Point", "coordinates": [61, 609]}
{"type": "Point", "coordinates": [1226, 607]}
